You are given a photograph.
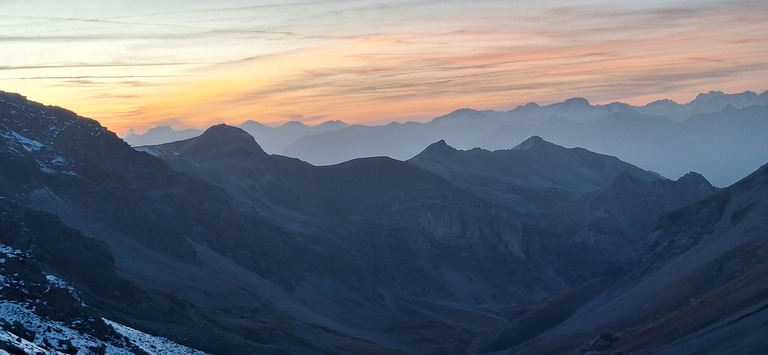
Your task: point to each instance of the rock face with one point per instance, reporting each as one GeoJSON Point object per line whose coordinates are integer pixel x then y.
{"type": "Point", "coordinates": [587, 206]}
{"type": "Point", "coordinates": [533, 176]}
{"type": "Point", "coordinates": [220, 246]}
{"type": "Point", "coordinates": [385, 231]}
{"type": "Point", "coordinates": [701, 286]}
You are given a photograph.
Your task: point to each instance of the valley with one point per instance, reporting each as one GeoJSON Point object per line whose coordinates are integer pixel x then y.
{"type": "Point", "coordinates": [215, 244]}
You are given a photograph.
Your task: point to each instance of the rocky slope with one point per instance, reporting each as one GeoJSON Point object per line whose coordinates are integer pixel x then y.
{"type": "Point", "coordinates": [215, 244]}
{"type": "Point", "coordinates": [534, 176]}
{"type": "Point", "coordinates": [700, 288]}
{"type": "Point", "coordinates": [588, 206]}
{"type": "Point", "coordinates": [42, 313]}
{"type": "Point", "coordinates": [166, 230]}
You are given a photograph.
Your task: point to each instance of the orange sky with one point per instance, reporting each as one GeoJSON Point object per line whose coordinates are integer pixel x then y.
{"type": "Point", "coordinates": [139, 64]}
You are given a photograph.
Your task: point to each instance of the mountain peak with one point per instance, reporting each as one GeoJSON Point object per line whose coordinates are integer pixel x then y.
{"type": "Point", "coordinates": [223, 137]}
{"type": "Point", "coordinates": [693, 177]}
{"type": "Point", "coordinates": [532, 142]}
{"type": "Point", "coordinates": [696, 182]}
{"type": "Point", "coordinates": [438, 148]}
{"type": "Point", "coordinates": [252, 123]}
{"type": "Point", "coordinates": [710, 94]}
{"type": "Point", "coordinates": [460, 115]}
{"type": "Point", "coordinates": [226, 131]}
{"type": "Point", "coordinates": [531, 105]}
{"type": "Point", "coordinates": [162, 129]}
{"type": "Point", "coordinates": [293, 124]}
{"type": "Point", "coordinates": [332, 124]}
{"type": "Point", "coordinates": [576, 102]}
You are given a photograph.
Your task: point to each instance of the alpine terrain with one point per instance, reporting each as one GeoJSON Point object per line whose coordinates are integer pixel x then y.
{"type": "Point", "coordinates": [210, 244]}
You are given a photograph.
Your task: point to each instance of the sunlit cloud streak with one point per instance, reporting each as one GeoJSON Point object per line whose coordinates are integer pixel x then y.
{"type": "Point", "coordinates": [371, 62]}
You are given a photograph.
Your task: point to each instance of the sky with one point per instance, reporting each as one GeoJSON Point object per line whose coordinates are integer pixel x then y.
{"type": "Point", "coordinates": [136, 64]}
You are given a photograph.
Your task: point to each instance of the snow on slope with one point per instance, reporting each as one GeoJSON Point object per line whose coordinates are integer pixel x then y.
{"type": "Point", "coordinates": [33, 332]}
{"type": "Point", "coordinates": [150, 343]}
{"type": "Point", "coordinates": [24, 330]}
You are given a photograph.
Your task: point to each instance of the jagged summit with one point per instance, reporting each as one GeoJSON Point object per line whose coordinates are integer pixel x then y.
{"type": "Point", "coordinates": [713, 94]}
{"type": "Point", "coordinates": [665, 102]}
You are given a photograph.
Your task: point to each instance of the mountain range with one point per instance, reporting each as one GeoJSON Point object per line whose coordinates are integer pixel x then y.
{"type": "Point", "coordinates": [718, 135]}
{"type": "Point", "coordinates": [214, 244]}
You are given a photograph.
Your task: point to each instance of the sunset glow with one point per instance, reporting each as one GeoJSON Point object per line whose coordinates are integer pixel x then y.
{"type": "Point", "coordinates": [139, 64]}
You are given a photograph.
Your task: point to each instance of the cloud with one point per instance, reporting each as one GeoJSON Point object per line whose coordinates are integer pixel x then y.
{"type": "Point", "coordinates": [85, 77]}
{"type": "Point", "coordinates": [372, 60]}
{"type": "Point", "coordinates": [91, 65]}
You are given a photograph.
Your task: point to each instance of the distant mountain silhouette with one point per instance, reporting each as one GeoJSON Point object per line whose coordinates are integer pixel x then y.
{"type": "Point", "coordinates": [664, 136]}
{"type": "Point", "coordinates": [273, 139]}
{"type": "Point", "coordinates": [160, 134]}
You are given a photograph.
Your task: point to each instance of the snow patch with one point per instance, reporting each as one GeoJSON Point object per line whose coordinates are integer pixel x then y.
{"type": "Point", "coordinates": [152, 344]}
{"type": "Point", "coordinates": [55, 281]}
{"type": "Point", "coordinates": [149, 151]}
{"type": "Point", "coordinates": [9, 251]}
{"type": "Point", "coordinates": [24, 345]}
{"type": "Point", "coordinates": [29, 144]}
{"type": "Point", "coordinates": [47, 332]}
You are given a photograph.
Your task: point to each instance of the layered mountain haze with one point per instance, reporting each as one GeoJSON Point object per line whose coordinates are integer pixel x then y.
{"type": "Point", "coordinates": [160, 134]}
{"type": "Point", "coordinates": [273, 139]}
{"type": "Point", "coordinates": [718, 135]}
{"type": "Point", "coordinates": [218, 244]}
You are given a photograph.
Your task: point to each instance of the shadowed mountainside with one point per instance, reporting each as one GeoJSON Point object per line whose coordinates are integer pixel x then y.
{"type": "Point", "coordinates": [530, 171]}
{"type": "Point", "coordinates": [701, 287]}
{"type": "Point", "coordinates": [218, 245]}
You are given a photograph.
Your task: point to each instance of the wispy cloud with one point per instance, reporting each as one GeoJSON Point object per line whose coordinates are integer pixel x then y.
{"type": "Point", "coordinates": [92, 65]}
{"type": "Point", "coordinates": [368, 60]}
